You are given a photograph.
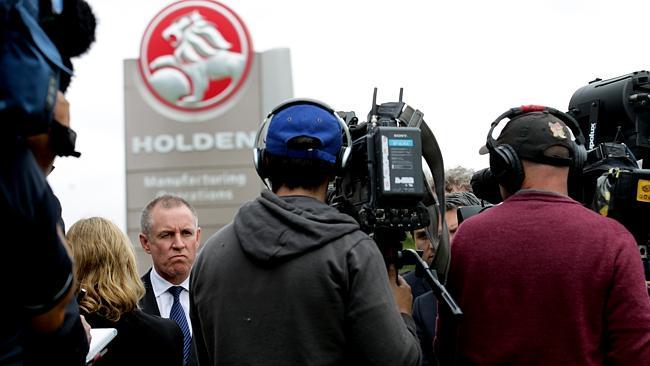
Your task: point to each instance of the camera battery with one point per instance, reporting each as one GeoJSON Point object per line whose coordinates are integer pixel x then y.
{"type": "Point", "coordinates": [398, 165]}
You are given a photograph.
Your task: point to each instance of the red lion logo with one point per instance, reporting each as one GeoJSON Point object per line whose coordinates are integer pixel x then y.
{"type": "Point", "coordinates": [195, 56]}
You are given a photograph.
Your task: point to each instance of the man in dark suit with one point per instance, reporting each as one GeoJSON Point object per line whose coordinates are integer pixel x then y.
{"type": "Point", "coordinates": [453, 201]}
{"type": "Point", "coordinates": [170, 233]}
{"type": "Point", "coordinates": [422, 242]}
{"type": "Point", "coordinates": [424, 302]}
{"type": "Point", "coordinates": [425, 310]}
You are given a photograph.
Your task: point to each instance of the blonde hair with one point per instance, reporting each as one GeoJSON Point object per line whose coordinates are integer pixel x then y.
{"type": "Point", "coordinates": [105, 267]}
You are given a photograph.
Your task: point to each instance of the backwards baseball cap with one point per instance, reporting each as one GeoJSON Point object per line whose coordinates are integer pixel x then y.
{"type": "Point", "coordinates": [533, 134]}
{"type": "Point", "coordinates": [304, 120]}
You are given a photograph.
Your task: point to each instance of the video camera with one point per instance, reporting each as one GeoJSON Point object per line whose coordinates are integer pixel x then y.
{"type": "Point", "coordinates": [384, 189]}
{"type": "Point", "coordinates": [383, 186]}
{"type": "Point", "coordinates": [614, 116]}
{"type": "Point", "coordinates": [38, 38]}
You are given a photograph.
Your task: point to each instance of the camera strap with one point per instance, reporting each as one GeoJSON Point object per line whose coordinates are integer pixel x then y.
{"type": "Point", "coordinates": [435, 201]}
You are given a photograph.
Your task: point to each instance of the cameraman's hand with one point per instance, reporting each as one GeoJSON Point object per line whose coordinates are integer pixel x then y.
{"type": "Point", "coordinates": [401, 291]}
{"type": "Point", "coordinates": [87, 328]}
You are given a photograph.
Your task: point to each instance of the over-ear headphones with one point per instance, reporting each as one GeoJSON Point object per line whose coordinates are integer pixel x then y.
{"type": "Point", "coordinates": [505, 163]}
{"type": "Point", "coordinates": [260, 138]}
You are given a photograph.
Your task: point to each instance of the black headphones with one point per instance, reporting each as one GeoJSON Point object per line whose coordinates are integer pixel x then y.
{"type": "Point", "coordinates": [258, 151]}
{"type": "Point", "coordinates": [505, 164]}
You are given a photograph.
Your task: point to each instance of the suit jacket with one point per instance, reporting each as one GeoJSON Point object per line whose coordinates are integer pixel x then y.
{"type": "Point", "coordinates": [149, 305]}
{"type": "Point", "coordinates": [418, 284]}
{"type": "Point", "coordinates": [142, 339]}
{"type": "Point", "coordinates": [425, 310]}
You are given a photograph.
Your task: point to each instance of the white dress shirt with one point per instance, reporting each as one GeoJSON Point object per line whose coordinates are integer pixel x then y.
{"type": "Point", "coordinates": [165, 299]}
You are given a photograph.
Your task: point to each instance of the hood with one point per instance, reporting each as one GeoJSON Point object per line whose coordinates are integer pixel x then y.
{"type": "Point", "coordinates": [273, 228]}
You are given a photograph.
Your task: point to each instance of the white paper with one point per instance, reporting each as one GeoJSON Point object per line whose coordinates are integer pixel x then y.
{"type": "Point", "coordinates": [100, 339]}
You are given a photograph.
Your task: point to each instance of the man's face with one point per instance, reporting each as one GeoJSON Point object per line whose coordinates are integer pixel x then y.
{"type": "Point", "coordinates": [423, 243]}
{"type": "Point", "coordinates": [451, 217]}
{"type": "Point", "coordinates": [172, 242]}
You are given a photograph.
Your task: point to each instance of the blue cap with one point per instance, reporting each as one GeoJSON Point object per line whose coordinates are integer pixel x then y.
{"type": "Point", "coordinates": [304, 120]}
{"type": "Point", "coordinates": [57, 6]}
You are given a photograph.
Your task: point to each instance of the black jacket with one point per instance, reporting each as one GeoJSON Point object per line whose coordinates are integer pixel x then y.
{"type": "Point", "coordinates": [419, 285]}
{"type": "Point", "coordinates": [149, 305]}
{"type": "Point", "coordinates": [425, 311]}
{"type": "Point", "coordinates": [142, 339]}
{"type": "Point", "coordinates": [148, 302]}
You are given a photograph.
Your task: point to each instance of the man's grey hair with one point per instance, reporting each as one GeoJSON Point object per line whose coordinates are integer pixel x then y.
{"type": "Point", "coordinates": [461, 199]}
{"type": "Point", "coordinates": [458, 179]}
{"type": "Point", "coordinates": [165, 201]}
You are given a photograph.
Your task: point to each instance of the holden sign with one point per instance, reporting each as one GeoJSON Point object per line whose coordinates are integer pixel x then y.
{"type": "Point", "coordinates": [193, 102]}
{"type": "Point", "coordinates": [195, 58]}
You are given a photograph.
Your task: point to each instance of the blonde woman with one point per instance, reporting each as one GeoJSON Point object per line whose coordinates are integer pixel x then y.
{"type": "Point", "coordinates": [105, 268]}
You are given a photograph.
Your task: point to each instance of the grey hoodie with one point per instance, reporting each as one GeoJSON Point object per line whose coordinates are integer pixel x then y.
{"type": "Point", "coordinates": [294, 282]}
{"type": "Point", "coordinates": [271, 229]}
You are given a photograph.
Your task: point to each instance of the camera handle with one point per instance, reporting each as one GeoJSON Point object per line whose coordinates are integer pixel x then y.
{"type": "Point", "coordinates": [410, 256]}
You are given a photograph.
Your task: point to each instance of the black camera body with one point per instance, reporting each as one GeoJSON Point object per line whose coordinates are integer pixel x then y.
{"type": "Point", "coordinates": [614, 115]}
{"type": "Point", "coordinates": [384, 189]}
{"type": "Point", "coordinates": [383, 185]}
{"type": "Point", "coordinates": [615, 110]}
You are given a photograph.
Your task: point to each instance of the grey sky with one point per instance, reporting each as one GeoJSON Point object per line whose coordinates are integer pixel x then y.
{"type": "Point", "coordinates": [462, 63]}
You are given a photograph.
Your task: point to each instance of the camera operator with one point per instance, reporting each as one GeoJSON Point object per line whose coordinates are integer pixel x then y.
{"type": "Point", "coordinates": [292, 280]}
{"type": "Point", "coordinates": [40, 320]}
{"type": "Point", "coordinates": [541, 279]}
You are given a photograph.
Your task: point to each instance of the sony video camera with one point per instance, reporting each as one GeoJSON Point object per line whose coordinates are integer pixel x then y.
{"type": "Point", "coordinates": [384, 189]}
{"type": "Point", "coordinates": [383, 185]}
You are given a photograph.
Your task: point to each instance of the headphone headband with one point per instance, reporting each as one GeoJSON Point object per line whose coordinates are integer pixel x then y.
{"type": "Point", "coordinates": [511, 113]}
{"type": "Point", "coordinates": [505, 162]}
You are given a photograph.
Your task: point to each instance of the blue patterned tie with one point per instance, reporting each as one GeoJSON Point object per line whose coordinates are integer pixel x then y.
{"type": "Point", "coordinates": [178, 315]}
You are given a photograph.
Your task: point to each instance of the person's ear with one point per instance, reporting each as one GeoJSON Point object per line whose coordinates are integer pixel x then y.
{"type": "Point", "coordinates": [144, 241]}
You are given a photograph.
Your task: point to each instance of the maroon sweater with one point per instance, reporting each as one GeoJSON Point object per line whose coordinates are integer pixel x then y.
{"type": "Point", "coordinates": [545, 281]}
